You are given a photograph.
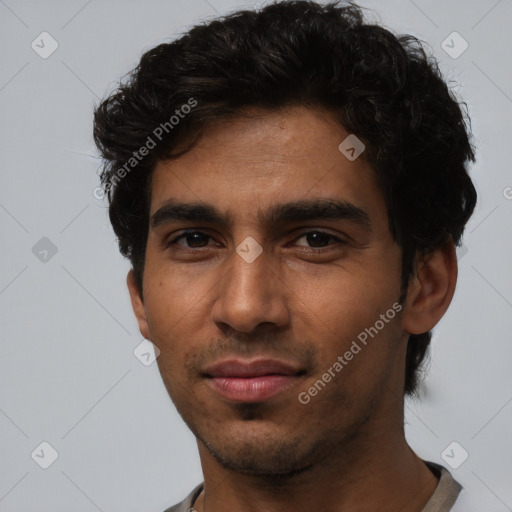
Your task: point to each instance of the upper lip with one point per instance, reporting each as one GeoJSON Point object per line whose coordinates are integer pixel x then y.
{"type": "Point", "coordinates": [258, 368]}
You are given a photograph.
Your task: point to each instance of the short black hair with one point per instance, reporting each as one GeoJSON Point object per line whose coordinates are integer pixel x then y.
{"type": "Point", "coordinates": [384, 88]}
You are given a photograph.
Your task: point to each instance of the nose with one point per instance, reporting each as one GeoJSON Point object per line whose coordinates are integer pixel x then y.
{"type": "Point", "coordinates": [250, 294]}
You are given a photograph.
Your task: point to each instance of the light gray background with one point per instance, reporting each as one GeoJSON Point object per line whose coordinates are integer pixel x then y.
{"type": "Point", "coordinates": [68, 373]}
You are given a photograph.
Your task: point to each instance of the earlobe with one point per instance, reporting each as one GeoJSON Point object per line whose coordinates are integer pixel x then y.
{"type": "Point", "coordinates": [137, 305]}
{"type": "Point", "coordinates": [431, 289]}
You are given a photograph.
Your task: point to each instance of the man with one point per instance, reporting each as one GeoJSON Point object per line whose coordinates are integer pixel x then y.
{"type": "Point", "coordinates": [290, 186]}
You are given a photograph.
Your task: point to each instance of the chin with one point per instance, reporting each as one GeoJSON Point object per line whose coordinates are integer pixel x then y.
{"type": "Point", "coordinates": [260, 455]}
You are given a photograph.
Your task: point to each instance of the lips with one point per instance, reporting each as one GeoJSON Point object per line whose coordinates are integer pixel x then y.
{"type": "Point", "coordinates": [256, 381]}
{"type": "Point", "coordinates": [236, 368]}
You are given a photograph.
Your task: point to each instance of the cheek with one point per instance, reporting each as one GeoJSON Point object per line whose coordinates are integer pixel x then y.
{"type": "Point", "coordinates": [171, 295]}
{"type": "Point", "coordinates": [176, 304]}
{"type": "Point", "coordinates": [356, 351]}
{"type": "Point", "coordinates": [341, 311]}
{"type": "Point", "coordinates": [341, 300]}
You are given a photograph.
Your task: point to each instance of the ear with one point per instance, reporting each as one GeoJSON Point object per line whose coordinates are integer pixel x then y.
{"type": "Point", "coordinates": [431, 289]}
{"type": "Point", "coordinates": [138, 305]}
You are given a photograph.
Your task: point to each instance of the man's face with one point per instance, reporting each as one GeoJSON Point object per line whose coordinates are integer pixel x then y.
{"type": "Point", "coordinates": [303, 300]}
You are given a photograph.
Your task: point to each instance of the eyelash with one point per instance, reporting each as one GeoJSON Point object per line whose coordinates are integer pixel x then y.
{"type": "Point", "coordinates": [311, 249]}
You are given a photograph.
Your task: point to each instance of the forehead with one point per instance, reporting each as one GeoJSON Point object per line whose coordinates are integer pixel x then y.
{"type": "Point", "coordinates": [248, 164]}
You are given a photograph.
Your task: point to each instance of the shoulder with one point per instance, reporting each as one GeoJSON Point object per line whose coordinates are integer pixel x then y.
{"type": "Point", "coordinates": [476, 502]}
{"type": "Point", "coordinates": [186, 504]}
{"type": "Point", "coordinates": [452, 495]}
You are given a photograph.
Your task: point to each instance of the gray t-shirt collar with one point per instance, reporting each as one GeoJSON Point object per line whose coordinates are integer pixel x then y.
{"type": "Point", "coordinates": [442, 500]}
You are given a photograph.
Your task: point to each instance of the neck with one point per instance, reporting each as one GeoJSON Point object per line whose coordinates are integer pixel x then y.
{"type": "Point", "coordinates": [378, 473]}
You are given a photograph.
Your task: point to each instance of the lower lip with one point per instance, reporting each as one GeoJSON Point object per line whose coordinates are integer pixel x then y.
{"type": "Point", "coordinates": [252, 389]}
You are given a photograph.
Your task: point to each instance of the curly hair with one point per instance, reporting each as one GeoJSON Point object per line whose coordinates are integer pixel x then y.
{"type": "Point", "coordinates": [384, 88]}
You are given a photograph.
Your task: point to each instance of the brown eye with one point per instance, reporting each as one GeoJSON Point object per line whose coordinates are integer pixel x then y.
{"type": "Point", "coordinates": [193, 239]}
{"type": "Point", "coordinates": [318, 239]}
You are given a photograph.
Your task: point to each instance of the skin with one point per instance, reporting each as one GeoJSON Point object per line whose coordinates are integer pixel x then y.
{"type": "Point", "coordinates": [204, 303]}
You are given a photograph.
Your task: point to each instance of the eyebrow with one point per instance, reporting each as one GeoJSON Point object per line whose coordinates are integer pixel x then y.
{"type": "Point", "coordinates": [295, 211]}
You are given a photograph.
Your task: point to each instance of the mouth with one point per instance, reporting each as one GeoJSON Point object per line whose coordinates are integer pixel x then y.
{"type": "Point", "coordinates": [256, 381]}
